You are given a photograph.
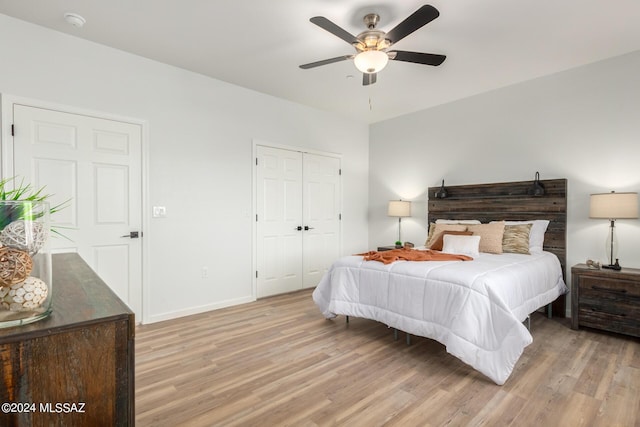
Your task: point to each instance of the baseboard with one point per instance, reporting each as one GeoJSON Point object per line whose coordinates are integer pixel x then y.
{"type": "Point", "coordinates": [200, 309]}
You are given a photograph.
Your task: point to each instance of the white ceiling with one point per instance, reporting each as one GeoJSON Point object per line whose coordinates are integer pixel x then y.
{"type": "Point", "coordinates": [259, 44]}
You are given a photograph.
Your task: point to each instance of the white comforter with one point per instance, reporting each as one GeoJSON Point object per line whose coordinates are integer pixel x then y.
{"type": "Point", "coordinates": [475, 308]}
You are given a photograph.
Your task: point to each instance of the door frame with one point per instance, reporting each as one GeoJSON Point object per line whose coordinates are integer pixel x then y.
{"type": "Point", "coordinates": [254, 205]}
{"type": "Point", "coordinates": [7, 166]}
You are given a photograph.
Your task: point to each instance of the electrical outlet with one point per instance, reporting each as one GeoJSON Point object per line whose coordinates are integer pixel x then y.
{"type": "Point", "coordinates": [205, 272]}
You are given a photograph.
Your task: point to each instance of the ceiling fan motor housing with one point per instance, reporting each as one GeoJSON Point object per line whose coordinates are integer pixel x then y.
{"type": "Point", "coordinates": [371, 39]}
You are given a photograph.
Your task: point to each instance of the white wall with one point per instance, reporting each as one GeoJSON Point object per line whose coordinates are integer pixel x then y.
{"type": "Point", "coordinates": [582, 124]}
{"type": "Point", "coordinates": [199, 153]}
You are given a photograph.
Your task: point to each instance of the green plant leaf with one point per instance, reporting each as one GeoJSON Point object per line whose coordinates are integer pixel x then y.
{"type": "Point", "coordinates": [24, 192]}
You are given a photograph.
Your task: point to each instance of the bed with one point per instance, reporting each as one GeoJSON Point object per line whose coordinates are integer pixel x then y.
{"type": "Point", "coordinates": [474, 308]}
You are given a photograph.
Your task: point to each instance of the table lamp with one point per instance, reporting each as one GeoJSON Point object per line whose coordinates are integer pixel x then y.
{"type": "Point", "coordinates": [613, 206]}
{"type": "Point", "coordinates": [401, 209]}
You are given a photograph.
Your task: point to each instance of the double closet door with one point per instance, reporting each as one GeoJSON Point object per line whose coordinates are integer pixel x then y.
{"type": "Point", "coordinates": [298, 218]}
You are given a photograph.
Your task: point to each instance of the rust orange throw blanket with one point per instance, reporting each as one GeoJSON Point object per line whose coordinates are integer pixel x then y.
{"type": "Point", "coordinates": [387, 257]}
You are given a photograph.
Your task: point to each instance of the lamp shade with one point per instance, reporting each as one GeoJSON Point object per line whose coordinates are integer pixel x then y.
{"type": "Point", "coordinates": [614, 205]}
{"type": "Point", "coordinates": [371, 61]}
{"type": "Point", "coordinates": [399, 208]}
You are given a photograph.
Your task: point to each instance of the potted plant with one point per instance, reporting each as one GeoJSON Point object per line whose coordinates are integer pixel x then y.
{"type": "Point", "coordinates": [25, 260]}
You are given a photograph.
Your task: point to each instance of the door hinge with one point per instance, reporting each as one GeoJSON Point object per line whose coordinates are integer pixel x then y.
{"type": "Point", "coordinates": [13, 131]}
{"type": "Point", "coordinates": [256, 161]}
{"type": "Point", "coordinates": [339, 171]}
{"type": "Point", "coordinates": [339, 217]}
{"type": "Point", "coordinates": [256, 217]}
{"type": "Point", "coordinates": [256, 274]}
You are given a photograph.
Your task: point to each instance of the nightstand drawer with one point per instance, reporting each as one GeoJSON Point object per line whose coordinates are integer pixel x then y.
{"type": "Point", "coordinates": [610, 288]}
{"type": "Point", "coordinates": [619, 297]}
{"type": "Point", "coordinates": [624, 323]}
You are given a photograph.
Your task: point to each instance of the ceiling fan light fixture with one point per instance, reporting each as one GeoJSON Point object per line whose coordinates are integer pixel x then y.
{"type": "Point", "coordinates": [371, 61]}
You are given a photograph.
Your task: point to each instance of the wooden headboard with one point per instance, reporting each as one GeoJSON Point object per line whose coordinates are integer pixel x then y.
{"type": "Point", "coordinates": [510, 201]}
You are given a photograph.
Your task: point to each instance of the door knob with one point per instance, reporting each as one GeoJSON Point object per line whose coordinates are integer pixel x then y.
{"type": "Point", "coordinates": [306, 227]}
{"type": "Point", "coordinates": [299, 228]}
{"type": "Point", "coordinates": [132, 235]}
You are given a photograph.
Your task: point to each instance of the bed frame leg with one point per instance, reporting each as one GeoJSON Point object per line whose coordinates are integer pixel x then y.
{"type": "Point", "coordinates": [549, 310]}
{"type": "Point", "coordinates": [529, 323]}
{"type": "Point", "coordinates": [395, 334]}
{"type": "Point", "coordinates": [408, 339]}
{"type": "Point", "coordinates": [347, 318]}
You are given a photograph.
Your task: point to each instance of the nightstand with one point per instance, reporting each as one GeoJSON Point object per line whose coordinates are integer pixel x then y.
{"type": "Point", "coordinates": [606, 299]}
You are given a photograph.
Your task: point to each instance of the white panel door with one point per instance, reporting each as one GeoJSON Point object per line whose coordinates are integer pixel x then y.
{"type": "Point", "coordinates": [321, 216]}
{"type": "Point", "coordinates": [279, 214]}
{"type": "Point", "coordinates": [96, 164]}
{"type": "Point", "coordinates": [298, 218]}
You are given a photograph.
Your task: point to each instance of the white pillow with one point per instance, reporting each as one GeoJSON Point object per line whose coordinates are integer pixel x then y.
{"type": "Point", "coordinates": [461, 245]}
{"type": "Point", "coordinates": [536, 235]}
{"type": "Point", "coordinates": [457, 221]}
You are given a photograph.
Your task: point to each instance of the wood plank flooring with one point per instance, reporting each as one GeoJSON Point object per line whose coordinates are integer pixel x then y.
{"type": "Point", "coordinates": [278, 362]}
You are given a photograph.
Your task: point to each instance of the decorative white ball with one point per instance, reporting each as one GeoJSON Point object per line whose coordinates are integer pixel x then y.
{"type": "Point", "coordinates": [24, 296]}
{"type": "Point", "coordinates": [27, 236]}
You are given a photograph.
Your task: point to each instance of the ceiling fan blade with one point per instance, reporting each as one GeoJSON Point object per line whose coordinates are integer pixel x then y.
{"type": "Point", "coordinates": [325, 24]}
{"type": "Point", "coordinates": [417, 19]}
{"type": "Point", "coordinates": [417, 57]}
{"type": "Point", "coordinates": [369, 78]}
{"type": "Point", "coordinates": [325, 62]}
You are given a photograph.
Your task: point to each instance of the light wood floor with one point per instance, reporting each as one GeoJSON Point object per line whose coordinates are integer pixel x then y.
{"type": "Point", "coordinates": [277, 362]}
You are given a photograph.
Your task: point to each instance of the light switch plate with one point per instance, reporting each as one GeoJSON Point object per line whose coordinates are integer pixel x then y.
{"type": "Point", "coordinates": [159, 211]}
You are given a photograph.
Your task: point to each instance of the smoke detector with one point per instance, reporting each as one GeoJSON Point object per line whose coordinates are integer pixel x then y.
{"type": "Point", "coordinates": [74, 19]}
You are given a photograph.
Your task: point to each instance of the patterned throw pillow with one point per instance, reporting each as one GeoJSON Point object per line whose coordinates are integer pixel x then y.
{"type": "Point", "coordinates": [536, 236]}
{"type": "Point", "coordinates": [516, 238]}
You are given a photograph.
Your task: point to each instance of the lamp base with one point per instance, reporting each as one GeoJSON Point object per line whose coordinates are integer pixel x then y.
{"type": "Point", "coordinates": [615, 266]}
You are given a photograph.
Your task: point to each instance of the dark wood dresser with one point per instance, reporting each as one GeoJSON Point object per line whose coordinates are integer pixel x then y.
{"type": "Point", "coordinates": [76, 367]}
{"type": "Point", "coordinates": [606, 299]}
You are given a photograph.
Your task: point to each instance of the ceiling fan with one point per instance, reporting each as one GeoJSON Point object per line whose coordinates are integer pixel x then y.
{"type": "Point", "coordinates": [371, 45]}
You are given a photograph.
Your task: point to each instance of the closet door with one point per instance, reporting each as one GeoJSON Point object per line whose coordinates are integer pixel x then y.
{"type": "Point", "coordinates": [279, 214]}
{"type": "Point", "coordinates": [321, 216]}
{"type": "Point", "coordinates": [298, 218]}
